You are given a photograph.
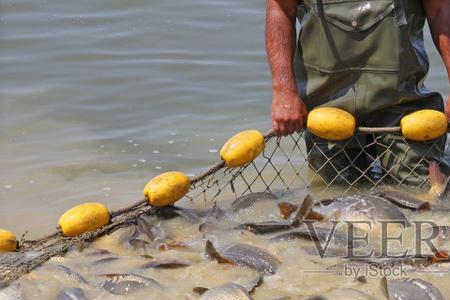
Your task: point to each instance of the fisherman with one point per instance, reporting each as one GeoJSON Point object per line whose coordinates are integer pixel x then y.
{"type": "Point", "coordinates": [365, 57]}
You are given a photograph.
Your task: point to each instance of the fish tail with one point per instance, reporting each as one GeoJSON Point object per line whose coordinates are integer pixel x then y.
{"type": "Point", "coordinates": [436, 179]}
{"type": "Point", "coordinates": [436, 176]}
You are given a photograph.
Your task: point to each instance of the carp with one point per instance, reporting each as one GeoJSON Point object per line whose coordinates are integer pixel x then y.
{"type": "Point", "coordinates": [71, 294]}
{"type": "Point", "coordinates": [124, 284]}
{"type": "Point", "coordinates": [411, 289]}
{"type": "Point", "coordinates": [296, 218]}
{"type": "Point", "coordinates": [67, 273]}
{"type": "Point", "coordinates": [246, 201]}
{"type": "Point", "coordinates": [244, 255]}
{"type": "Point", "coordinates": [227, 291]}
{"type": "Point", "coordinates": [11, 292]}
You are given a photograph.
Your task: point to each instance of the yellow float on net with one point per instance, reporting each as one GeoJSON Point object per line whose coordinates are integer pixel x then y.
{"type": "Point", "coordinates": [167, 188]}
{"type": "Point", "coordinates": [242, 148]}
{"type": "Point", "coordinates": [331, 123]}
{"type": "Point", "coordinates": [84, 218]}
{"type": "Point", "coordinates": [8, 241]}
{"type": "Point", "coordinates": [424, 125]}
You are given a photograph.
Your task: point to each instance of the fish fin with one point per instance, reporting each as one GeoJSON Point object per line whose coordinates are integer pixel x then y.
{"type": "Point", "coordinates": [384, 287]}
{"type": "Point", "coordinates": [362, 279]}
{"type": "Point", "coordinates": [252, 285]}
{"type": "Point", "coordinates": [144, 227]}
{"type": "Point", "coordinates": [302, 211]}
{"type": "Point", "coordinates": [212, 253]}
{"type": "Point", "coordinates": [440, 256]}
{"type": "Point", "coordinates": [286, 209]}
{"type": "Point", "coordinates": [437, 178]}
{"type": "Point", "coordinates": [199, 290]}
{"type": "Point", "coordinates": [213, 214]}
{"type": "Point", "coordinates": [424, 206]}
{"type": "Point", "coordinates": [313, 215]}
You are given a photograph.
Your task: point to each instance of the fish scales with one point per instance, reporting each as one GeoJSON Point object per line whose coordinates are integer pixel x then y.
{"type": "Point", "coordinates": [228, 291]}
{"type": "Point", "coordinates": [252, 257]}
{"type": "Point", "coordinates": [72, 294]}
{"type": "Point", "coordinates": [246, 201]}
{"type": "Point", "coordinates": [124, 284]}
{"type": "Point", "coordinates": [412, 289]}
{"type": "Point", "coordinates": [11, 292]}
{"type": "Point", "coordinates": [69, 275]}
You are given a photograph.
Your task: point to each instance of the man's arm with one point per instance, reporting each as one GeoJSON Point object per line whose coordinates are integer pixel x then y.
{"type": "Point", "coordinates": [288, 110]}
{"type": "Point", "coordinates": [438, 15]}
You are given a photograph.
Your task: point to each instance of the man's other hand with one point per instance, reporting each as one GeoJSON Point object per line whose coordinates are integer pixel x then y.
{"type": "Point", "coordinates": [288, 113]}
{"type": "Point", "coordinates": [447, 108]}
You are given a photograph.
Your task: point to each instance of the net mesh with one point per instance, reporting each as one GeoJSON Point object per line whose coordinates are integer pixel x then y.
{"type": "Point", "coordinates": [371, 158]}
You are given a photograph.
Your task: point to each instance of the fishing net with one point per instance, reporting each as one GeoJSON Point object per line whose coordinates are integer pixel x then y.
{"type": "Point", "coordinates": [371, 158]}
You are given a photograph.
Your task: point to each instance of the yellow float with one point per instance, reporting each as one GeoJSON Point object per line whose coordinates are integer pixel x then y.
{"type": "Point", "coordinates": [8, 241]}
{"type": "Point", "coordinates": [331, 123]}
{"type": "Point", "coordinates": [84, 218]}
{"type": "Point", "coordinates": [242, 148]}
{"type": "Point", "coordinates": [424, 125]}
{"type": "Point", "coordinates": [167, 188]}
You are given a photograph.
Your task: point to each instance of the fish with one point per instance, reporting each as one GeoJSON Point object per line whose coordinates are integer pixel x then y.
{"type": "Point", "coordinates": [411, 289]}
{"type": "Point", "coordinates": [11, 292]}
{"type": "Point", "coordinates": [171, 244]}
{"type": "Point", "coordinates": [318, 234]}
{"type": "Point", "coordinates": [295, 220]}
{"type": "Point", "coordinates": [244, 255]}
{"type": "Point", "coordinates": [347, 294]}
{"type": "Point", "coordinates": [302, 212]}
{"type": "Point", "coordinates": [166, 264]}
{"type": "Point", "coordinates": [105, 260]}
{"type": "Point", "coordinates": [169, 212]}
{"type": "Point", "coordinates": [439, 183]}
{"type": "Point", "coordinates": [369, 207]}
{"type": "Point", "coordinates": [124, 284]}
{"type": "Point", "coordinates": [287, 208]}
{"type": "Point", "coordinates": [67, 273]}
{"type": "Point", "coordinates": [71, 294]}
{"type": "Point", "coordinates": [249, 288]}
{"type": "Point", "coordinates": [410, 260]}
{"type": "Point", "coordinates": [213, 215]}
{"type": "Point", "coordinates": [127, 233]}
{"type": "Point", "coordinates": [264, 227]}
{"type": "Point", "coordinates": [98, 252]}
{"type": "Point", "coordinates": [227, 291]}
{"type": "Point", "coordinates": [246, 201]}
{"type": "Point", "coordinates": [139, 244]}
{"type": "Point", "coordinates": [403, 200]}
{"type": "Point", "coordinates": [153, 232]}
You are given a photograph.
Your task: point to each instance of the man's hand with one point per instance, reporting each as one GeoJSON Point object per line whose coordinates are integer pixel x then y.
{"type": "Point", "coordinates": [288, 113]}
{"type": "Point", "coordinates": [438, 16]}
{"type": "Point", "coordinates": [288, 110]}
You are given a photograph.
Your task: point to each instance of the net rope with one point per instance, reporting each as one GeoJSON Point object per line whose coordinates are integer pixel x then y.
{"type": "Point", "coordinates": [286, 164]}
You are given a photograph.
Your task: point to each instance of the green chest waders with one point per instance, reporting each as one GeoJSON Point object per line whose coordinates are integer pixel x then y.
{"type": "Point", "coordinates": [368, 58]}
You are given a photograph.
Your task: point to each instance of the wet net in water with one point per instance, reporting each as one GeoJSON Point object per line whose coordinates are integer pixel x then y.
{"type": "Point", "coordinates": [371, 158]}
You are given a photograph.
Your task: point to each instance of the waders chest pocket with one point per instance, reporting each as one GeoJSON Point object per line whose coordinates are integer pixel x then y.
{"type": "Point", "coordinates": [342, 35]}
{"type": "Point", "coordinates": [354, 15]}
